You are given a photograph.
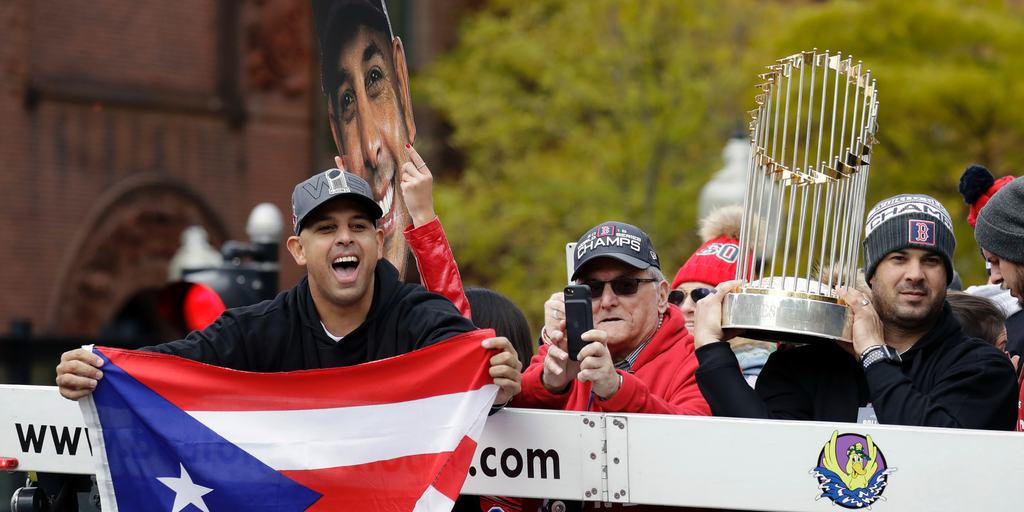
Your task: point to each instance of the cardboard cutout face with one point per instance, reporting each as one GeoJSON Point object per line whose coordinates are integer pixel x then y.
{"type": "Point", "coordinates": [367, 86]}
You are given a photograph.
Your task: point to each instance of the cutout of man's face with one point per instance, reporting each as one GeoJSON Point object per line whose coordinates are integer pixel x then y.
{"type": "Point", "coordinates": [371, 120]}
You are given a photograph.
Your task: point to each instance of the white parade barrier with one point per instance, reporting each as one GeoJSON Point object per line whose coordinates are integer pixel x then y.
{"type": "Point", "coordinates": [635, 458]}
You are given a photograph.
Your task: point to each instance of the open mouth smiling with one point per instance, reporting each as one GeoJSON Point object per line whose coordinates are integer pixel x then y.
{"type": "Point", "coordinates": [345, 267]}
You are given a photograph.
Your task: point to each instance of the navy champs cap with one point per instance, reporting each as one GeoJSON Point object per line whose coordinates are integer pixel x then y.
{"type": "Point", "coordinates": [618, 240]}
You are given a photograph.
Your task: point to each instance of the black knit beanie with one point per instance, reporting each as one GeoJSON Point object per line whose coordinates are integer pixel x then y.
{"type": "Point", "coordinates": [1000, 227]}
{"type": "Point", "coordinates": [912, 221]}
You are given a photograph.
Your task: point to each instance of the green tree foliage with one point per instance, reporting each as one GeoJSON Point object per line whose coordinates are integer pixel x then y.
{"type": "Point", "coordinates": [949, 75]}
{"type": "Point", "coordinates": [571, 113]}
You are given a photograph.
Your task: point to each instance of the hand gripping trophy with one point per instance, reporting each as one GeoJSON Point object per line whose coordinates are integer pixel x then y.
{"type": "Point", "coordinates": [811, 140]}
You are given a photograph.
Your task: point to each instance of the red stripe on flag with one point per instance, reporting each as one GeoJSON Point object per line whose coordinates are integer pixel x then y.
{"type": "Point", "coordinates": [455, 365]}
{"type": "Point", "coordinates": [450, 481]}
{"type": "Point", "coordinates": [390, 485]}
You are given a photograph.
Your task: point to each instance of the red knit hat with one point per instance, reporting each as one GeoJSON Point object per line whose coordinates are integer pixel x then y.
{"type": "Point", "coordinates": [716, 260]}
{"type": "Point", "coordinates": [977, 185]}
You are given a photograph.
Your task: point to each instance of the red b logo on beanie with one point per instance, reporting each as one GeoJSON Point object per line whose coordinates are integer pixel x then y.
{"type": "Point", "coordinates": [922, 232]}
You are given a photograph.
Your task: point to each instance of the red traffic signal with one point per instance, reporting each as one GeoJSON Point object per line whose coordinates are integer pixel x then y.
{"type": "Point", "coordinates": [197, 301]}
{"type": "Point", "coordinates": [201, 307]}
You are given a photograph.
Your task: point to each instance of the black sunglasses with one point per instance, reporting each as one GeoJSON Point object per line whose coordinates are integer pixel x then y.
{"type": "Point", "coordinates": [620, 285]}
{"type": "Point", "coordinates": [677, 297]}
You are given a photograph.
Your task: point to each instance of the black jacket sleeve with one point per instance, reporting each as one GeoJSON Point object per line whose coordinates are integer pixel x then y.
{"type": "Point", "coordinates": [978, 391]}
{"type": "Point", "coordinates": [721, 382]}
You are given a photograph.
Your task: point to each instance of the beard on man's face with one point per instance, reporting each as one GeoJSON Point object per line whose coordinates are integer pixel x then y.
{"type": "Point", "coordinates": [907, 316]}
{"type": "Point", "coordinates": [1017, 286]}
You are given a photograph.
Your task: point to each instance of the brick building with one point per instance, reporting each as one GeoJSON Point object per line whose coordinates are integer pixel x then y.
{"type": "Point", "coordinates": [122, 122]}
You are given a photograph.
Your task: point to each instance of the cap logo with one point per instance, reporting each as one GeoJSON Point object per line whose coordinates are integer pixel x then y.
{"type": "Point", "coordinates": [728, 253]}
{"type": "Point", "coordinates": [902, 205]}
{"type": "Point", "coordinates": [621, 240]}
{"type": "Point", "coordinates": [336, 182]}
{"type": "Point", "coordinates": [608, 230]}
{"type": "Point", "coordinates": [922, 232]}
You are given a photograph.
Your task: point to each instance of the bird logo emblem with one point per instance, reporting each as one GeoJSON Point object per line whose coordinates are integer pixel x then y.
{"type": "Point", "coordinates": [851, 471]}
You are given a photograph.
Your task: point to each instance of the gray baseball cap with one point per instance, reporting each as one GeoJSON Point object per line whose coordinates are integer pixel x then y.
{"type": "Point", "coordinates": [328, 185]}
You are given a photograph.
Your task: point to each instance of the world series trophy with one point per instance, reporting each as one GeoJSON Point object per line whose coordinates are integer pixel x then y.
{"type": "Point", "coordinates": [811, 141]}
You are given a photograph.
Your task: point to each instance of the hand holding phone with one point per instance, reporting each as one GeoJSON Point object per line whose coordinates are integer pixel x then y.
{"type": "Point", "coordinates": [579, 317]}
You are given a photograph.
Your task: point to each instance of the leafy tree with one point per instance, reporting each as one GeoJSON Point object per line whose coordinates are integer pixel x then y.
{"type": "Point", "coordinates": [949, 74]}
{"type": "Point", "coordinates": [572, 113]}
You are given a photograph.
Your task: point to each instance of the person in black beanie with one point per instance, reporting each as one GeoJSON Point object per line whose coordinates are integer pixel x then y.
{"type": "Point", "coordinates": [909, 364]}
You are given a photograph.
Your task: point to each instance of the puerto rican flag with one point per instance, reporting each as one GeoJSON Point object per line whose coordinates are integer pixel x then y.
{"type": "Point", "coordinates": [396, 435]}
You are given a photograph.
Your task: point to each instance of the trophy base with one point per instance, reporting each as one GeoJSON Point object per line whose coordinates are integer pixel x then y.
{"type": "Point", "coordinates": [785, 317]}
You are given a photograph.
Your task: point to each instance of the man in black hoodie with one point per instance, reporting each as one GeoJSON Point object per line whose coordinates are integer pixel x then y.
{"type": "Point", "coordinates": [349, 309]}
{"type": "Point", "coordinates": [909, 363]}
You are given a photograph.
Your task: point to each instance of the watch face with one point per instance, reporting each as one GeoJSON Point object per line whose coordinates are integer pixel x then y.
{"type": "Point", "coordinates": [891, 354]}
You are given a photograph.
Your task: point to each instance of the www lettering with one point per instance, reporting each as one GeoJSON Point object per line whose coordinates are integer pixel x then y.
{"type": "Point", "coordinates": [32, 438]}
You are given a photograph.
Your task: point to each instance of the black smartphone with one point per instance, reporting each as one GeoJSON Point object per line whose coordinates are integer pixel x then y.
{"type": "Point", "coordinates": [579, 317]}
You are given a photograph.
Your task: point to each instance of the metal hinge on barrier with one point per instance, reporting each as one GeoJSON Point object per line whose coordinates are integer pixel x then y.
{"type": "Point", "coordinates": [617, 443]}
{"type": "Point", "coordinates": [605, 458]}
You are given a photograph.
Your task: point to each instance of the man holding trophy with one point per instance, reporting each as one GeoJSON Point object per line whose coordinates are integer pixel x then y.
{"type": "Point", "coordinates": [897, 356]}
{"type": "Point", "coordinates": [909, 363]}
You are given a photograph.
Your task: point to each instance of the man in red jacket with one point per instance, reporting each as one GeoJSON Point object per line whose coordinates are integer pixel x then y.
{"type": "Point", "coordinates": [640, 356]}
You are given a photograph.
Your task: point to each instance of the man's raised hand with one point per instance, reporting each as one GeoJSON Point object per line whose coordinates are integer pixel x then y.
{"type": "Point", "coordinates": [596, 364]}
{"type": "Point", "coordinates": [867, 327]}
{"type": "Point", "coordinates": [417, 188]}
{"type": "Point", "coordinates": [707, 322]}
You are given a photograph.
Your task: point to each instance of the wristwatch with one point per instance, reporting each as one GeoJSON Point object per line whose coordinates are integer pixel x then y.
{"type": "Point", "coordinates": [876, 353]}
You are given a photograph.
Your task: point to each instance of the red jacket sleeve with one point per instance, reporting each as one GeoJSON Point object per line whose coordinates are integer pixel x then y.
{"type": "Point", "coordinates": [436, 263]}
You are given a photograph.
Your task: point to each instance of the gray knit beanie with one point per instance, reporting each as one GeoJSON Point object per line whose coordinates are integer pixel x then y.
{"type": "Point", "coordinates": [908, 221]}
{"type": "Point", "coordinates": [1000, 227]}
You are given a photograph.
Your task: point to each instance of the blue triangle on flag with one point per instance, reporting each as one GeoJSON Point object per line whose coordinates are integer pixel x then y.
{"type": "Point", "coordinates": [147, 438]}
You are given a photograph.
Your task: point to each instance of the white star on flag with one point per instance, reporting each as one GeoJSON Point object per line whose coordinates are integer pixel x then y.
{"type": "Point", "coordinates": [186, 492]}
